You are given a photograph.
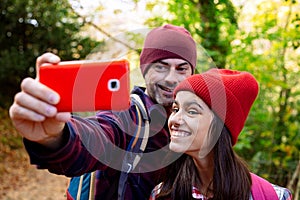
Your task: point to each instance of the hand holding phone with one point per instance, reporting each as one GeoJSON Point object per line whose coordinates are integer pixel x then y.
{"type": "Point", "coordinates": [88, 85]}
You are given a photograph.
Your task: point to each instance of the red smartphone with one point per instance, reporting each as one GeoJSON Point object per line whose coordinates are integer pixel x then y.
{"type": "Point", "coordinates": [88, 85]}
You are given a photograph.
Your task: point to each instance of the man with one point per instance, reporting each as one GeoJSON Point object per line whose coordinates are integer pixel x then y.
{"type": "Point", "coordinates": [72, 146]}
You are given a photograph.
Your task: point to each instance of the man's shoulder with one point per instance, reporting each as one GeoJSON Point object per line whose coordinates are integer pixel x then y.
{"type": "Point", "coordinates": [138, 90]}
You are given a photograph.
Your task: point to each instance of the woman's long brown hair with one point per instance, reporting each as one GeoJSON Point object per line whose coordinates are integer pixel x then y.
{"type": "Point", "coordinates": [231, 179]}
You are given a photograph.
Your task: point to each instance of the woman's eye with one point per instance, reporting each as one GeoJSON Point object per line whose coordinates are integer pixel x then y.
{"type": "Point", "coordinates": [193, 112]}
{"type": "Point", "coordinates": [175, 110]}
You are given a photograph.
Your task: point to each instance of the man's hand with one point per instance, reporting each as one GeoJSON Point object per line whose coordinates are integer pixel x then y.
{"type": "Point", "coordinates": [33, 111]}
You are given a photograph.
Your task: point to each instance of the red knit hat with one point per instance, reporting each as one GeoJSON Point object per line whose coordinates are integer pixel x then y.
{"type": "Point", "coordinates": [168, 41]}
{"type": "Point", "coordinates": [230, 94]}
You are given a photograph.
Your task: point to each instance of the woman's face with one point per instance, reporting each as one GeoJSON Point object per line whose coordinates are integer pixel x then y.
{"type": "Point", "coordinates": [189, 124]}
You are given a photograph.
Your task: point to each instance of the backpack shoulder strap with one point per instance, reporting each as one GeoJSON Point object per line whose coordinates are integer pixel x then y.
{"type": "Point", "coordinates": [136, 148]}
{"type": "Point", "coordinates": [261, 189]}
{"type": "Point", "coordinates": [143, 131]}
{"type": "Point", "coordinates": [92, 185]}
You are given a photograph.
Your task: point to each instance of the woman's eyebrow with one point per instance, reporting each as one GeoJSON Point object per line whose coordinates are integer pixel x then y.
{"type": "Point", "coordinates": [194, 103]}
{"type": "Point", "coordinates": [189, 103]}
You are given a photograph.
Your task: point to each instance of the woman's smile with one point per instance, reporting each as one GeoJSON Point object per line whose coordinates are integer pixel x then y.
{"type": "Point", "coordinates": [179, 133]}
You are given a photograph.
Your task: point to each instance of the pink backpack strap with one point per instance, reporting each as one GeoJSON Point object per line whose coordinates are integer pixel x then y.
{"type": "Point", "coordinates": [261, 189]}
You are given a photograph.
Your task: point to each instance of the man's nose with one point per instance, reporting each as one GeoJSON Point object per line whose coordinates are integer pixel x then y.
{"type": "Point", "coordinates": [172, 77]}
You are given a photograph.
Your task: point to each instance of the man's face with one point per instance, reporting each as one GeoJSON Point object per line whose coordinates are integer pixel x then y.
{"type": "Point", "coordinates": [163, 76]}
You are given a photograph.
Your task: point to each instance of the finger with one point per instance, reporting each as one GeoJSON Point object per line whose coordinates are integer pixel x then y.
{"type": "Point", "coordinates": [17, 112]}
{"type": "Point", "coordinates": [36, 105]}
{"type": "Point", "coordinates": [63, 116]}
{"type": "Point", "coordinates": [46, 58]}
{"type": "Point", "coordinates": [39, 91]}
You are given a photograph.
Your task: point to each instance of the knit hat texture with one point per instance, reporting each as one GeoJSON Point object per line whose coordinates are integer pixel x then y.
{"type": "Point", "coordinates": [229, 93]}
{"type": "Point", "coordinates": [168, 41]}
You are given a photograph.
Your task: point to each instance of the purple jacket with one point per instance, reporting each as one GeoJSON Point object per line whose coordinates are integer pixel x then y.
{"type": "Point", "coordinates": [98, 143]}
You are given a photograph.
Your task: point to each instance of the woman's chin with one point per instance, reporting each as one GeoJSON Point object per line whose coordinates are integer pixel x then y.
{"type": "Point", "coordinates": [176, 148]}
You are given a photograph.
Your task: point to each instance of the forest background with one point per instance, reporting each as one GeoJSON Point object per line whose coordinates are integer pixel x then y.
{"type": "Point", "coordinates": [261, 36]}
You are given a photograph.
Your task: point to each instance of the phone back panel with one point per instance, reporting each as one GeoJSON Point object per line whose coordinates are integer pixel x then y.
{"type": "Point", "coordinates": [88, 85]}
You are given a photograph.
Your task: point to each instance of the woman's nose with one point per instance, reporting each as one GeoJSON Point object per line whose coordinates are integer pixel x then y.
{"type": "Point", "coordinates": [176, 118]}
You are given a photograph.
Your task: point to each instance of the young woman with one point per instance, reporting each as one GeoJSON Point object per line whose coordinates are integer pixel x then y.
{"type": "Point", "coordinates": [209, 112]}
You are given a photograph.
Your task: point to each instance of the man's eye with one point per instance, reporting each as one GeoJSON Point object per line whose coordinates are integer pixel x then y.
{"type": "Point", "coordinates": [182, 69]}
{"type": "Point", "coordinates": [160, 68]}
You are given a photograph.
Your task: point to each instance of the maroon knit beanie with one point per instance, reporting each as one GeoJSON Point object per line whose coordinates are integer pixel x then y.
{"type": "Point", "coordinates": [230, 94]}
{"type": "Point", "coordinates": [168, 41]}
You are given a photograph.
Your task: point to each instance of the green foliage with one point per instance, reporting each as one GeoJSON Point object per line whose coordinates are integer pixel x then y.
{"type": "Point", "coordinates": [269, 51]}
{"type": "Point", "coordinates": [30, 28]}
{"type": "Point", "coordinates": [262, 38]}
{"type": "Point", "coordinates": [212, 23]}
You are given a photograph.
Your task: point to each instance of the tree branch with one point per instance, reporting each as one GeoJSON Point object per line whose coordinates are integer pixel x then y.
{"type": "Point", "coordinates": [90, 23]}
{"type": "Point", "coordinates": [296, 175]}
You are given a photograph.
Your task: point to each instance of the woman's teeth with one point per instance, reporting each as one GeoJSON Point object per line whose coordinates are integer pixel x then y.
{"type": "Point", "coordinates": [180, 134]}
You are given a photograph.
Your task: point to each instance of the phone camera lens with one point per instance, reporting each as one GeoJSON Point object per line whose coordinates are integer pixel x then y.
{"type": "Point", "coordinates": [113, 85]}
